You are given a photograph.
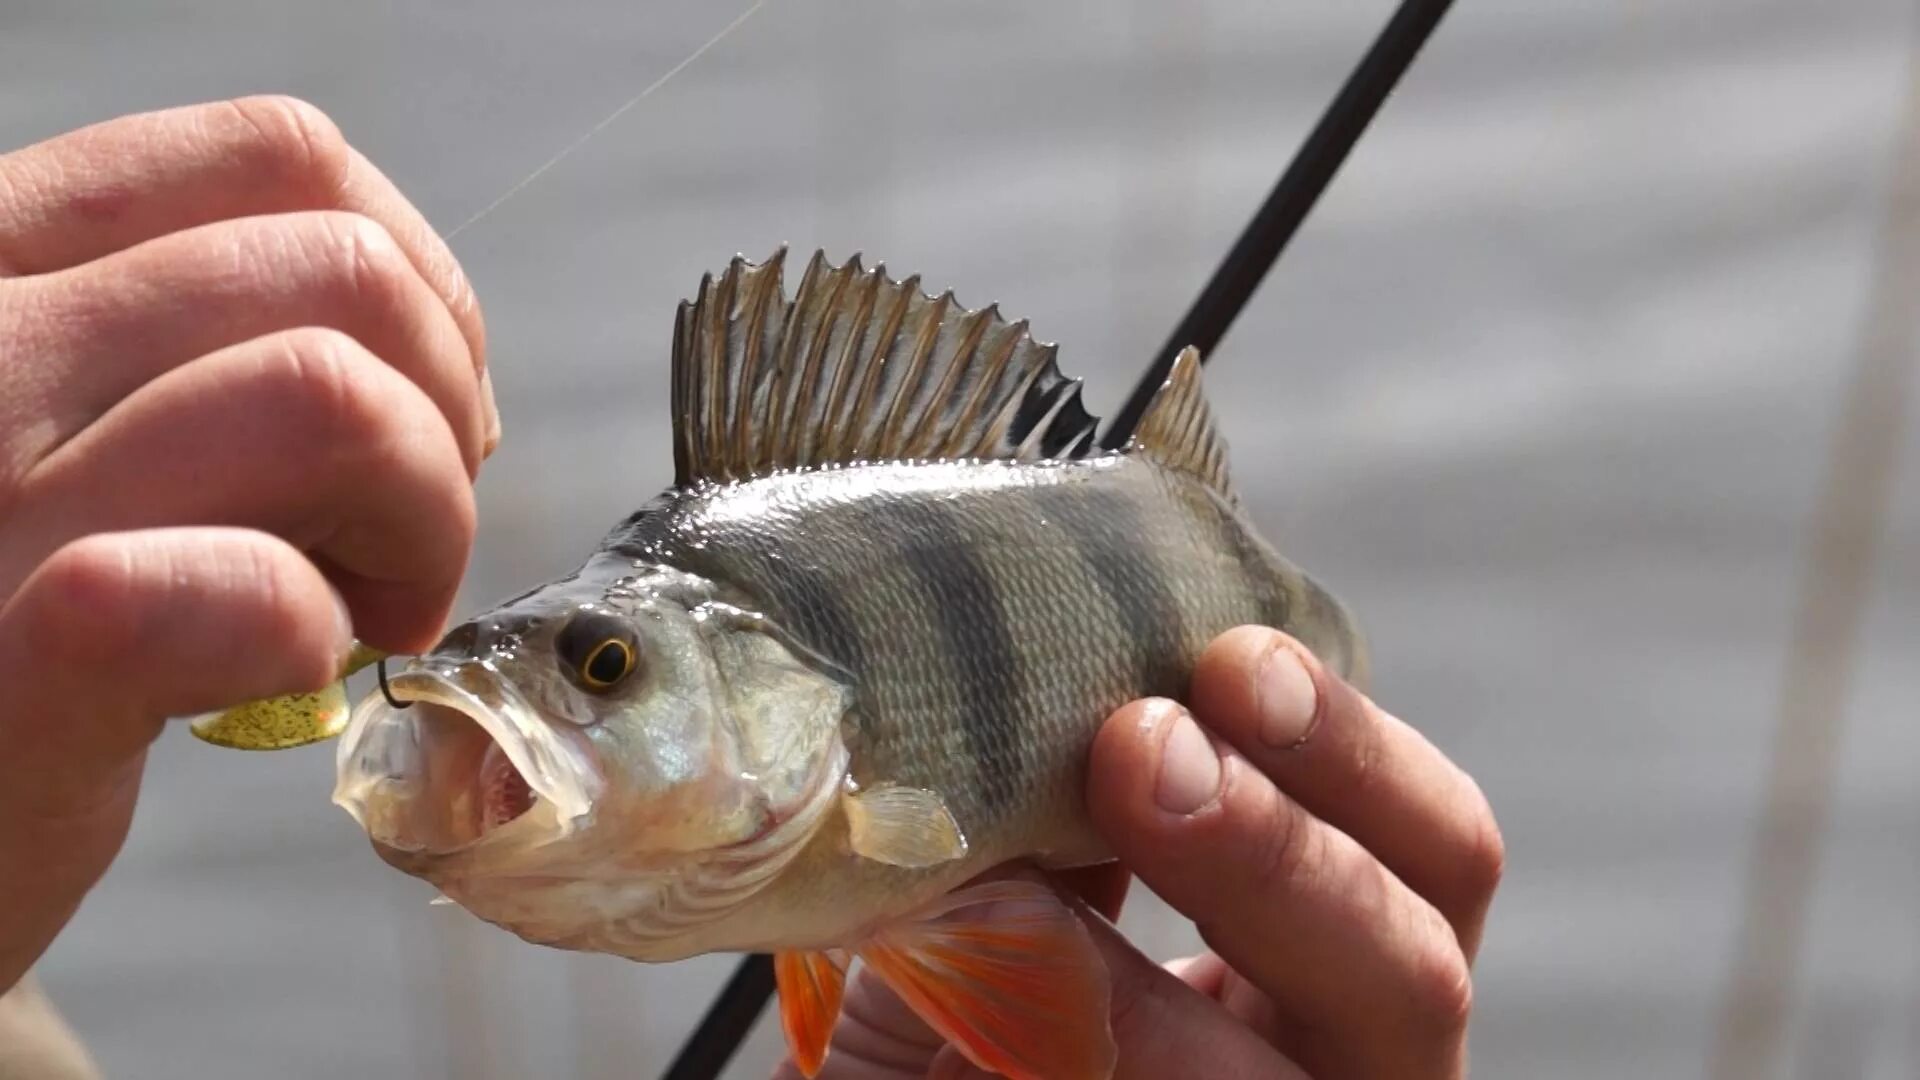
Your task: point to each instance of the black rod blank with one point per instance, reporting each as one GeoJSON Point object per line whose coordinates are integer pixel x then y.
{"type": "Point", "coordinates": [1292, 198]}
{"type": "Point", "coordinates": [727, 1022]}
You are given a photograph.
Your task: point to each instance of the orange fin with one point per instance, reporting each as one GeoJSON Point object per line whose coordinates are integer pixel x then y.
{"type": "Point", "coordinates": [810, 985]}
{"type": "Point", "coordinates": [1007, 974]}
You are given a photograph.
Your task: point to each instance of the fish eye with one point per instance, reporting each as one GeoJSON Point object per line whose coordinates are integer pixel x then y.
{"type": "Point", "coordinates": [608, 664]}
{"type": "Point", "coordinates": [597, 649]}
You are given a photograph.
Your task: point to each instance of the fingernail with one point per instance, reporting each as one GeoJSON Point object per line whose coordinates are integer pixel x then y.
{"type": "Point", "coordinates": [1189, 769]}
{"type": "Point", "coordinates": [1288, 700]}
{"type": "Point", "coordinates": [493, 414]}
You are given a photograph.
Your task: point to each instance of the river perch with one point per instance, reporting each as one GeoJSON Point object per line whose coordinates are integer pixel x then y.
{"type": "Point", "coordinates": [853, 658]}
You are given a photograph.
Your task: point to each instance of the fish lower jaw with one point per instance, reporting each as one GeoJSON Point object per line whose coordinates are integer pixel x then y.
{"type": "Point", "coordinates": [720, 900]}
{"type": "Point", "coordinates": [467, 794]}
{"type": "Point", "coordinates": [645, 920]}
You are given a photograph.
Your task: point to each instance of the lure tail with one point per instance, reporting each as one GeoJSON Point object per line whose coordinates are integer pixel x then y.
{"type": "Point", "coordinates": [283, 723]}
{"type": "Point", "coordinates": [1004, 971]}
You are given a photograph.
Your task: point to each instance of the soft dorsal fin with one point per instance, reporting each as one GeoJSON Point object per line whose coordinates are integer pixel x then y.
{"type": "Point", "coordinates": [857, 368]}
{"type": "Point", "coordinates": [1177, 430]}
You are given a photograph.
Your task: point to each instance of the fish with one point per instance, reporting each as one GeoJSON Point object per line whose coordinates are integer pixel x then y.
{"type": "Point", "coordinates": [853, 659]}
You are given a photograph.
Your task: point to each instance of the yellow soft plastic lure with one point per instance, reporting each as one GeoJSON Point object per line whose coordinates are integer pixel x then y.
{"type": "Point", "coordinates": [283, 723]}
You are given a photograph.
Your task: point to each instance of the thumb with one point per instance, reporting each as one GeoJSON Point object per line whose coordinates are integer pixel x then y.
{"type": "Point", "coordinates": [107, 638]}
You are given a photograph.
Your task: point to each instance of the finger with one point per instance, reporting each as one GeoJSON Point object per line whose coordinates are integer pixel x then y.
{"type": "Point", "coordinates": [1296, 906]}
{"type": "Point", "coordinates": [114, 324]}
{"type": "Point", "coordinates": [1163, 1027]}
{"type": "Point", "coordinates": [109, 635]}
{"type": "Point", "coordinates": [367, 191]}
{"type": "Point", "coordinates": [109, 186]}
{"type": "Point", "coordinates": [1356, 767]}
{"type": "Point", "coordinates": [303, 434]}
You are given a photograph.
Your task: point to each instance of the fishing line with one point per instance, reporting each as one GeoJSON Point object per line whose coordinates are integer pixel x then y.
{"type": "Point", "coordinates": [733, 1014]}
{"type": "Point", "coordinates": [616, 114]}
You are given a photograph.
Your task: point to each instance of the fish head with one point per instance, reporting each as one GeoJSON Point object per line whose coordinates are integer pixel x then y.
{"type": "Point", "coordinates": [602, 762]}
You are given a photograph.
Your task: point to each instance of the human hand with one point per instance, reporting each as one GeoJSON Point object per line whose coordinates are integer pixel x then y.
{"type": "Point", "coordinates": [1338, 866]}
{"type": "Point", "coordinates": [243, 397]}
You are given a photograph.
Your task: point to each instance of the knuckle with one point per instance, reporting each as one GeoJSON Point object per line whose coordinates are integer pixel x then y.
{"type": "Point", "coordinates": [323, 372]}
{"type": "Point", "coordinates": [280, 615]}
{"type": "Point", "coordinates": [291, 141]}
{"type": "Point", "coordinates": [81, 597]}
{"type": "Point", "coordinates": [1442, 990]}
{"type": "Point", "coordinates": [373, 422]}
{"type": "Point", "coordinates": [463, 517]}
{"type": "Point", "coordinates": [360, 259]}
{"type": "Point", "coordinates": [11, 184]}
{"type": "Point", "coordinates": [1289, 853]}
{"type": "Point", "coordinates": [1484, 864]}
{"type": "Point", "coordinates": [1366, 760]}
{"type": "Point", "coordinates": [256, 573]}
{"type": "Point", "coordinates": [458, 521]}
{"type": "Point", "coordinates": [27, 176]}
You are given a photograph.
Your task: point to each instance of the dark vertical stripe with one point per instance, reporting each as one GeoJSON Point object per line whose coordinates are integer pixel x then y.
{"type": "Point", "coordinates": [800, 598]}
{"type": "Point", "coordinates": [811, 609]}
{"type": "Point", "coordinates": [967, 612]}
{"type": "Point", "coordinates": [1110, 532]}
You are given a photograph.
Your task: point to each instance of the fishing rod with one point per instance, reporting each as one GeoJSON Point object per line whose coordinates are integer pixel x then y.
{"type": "Point", "coordinates": [1293, 196]}
{"type": "Point", "coordinates": [728, 1020]}
{"type": "Point", "coordinates": [740, 1003]}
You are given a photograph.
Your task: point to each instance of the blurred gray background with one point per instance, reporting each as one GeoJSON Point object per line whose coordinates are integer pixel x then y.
{"type": "Point", "coordinates": [1544, 388]}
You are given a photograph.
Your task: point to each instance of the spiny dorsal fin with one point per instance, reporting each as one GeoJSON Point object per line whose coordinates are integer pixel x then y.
{"type": "Point", "coordinates": [1177, 430]}
{"type": "Point", "coordinates": [857, 367]}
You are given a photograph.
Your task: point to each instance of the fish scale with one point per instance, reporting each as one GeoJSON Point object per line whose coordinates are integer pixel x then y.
{"type": "Point", "coordinates": [1103, 581]}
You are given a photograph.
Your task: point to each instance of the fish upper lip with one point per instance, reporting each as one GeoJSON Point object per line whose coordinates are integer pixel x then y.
{"type": "Point", "coordinates": [556, 768]}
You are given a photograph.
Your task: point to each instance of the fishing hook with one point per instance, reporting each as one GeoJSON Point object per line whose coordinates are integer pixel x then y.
{"type": "Point", "coordinates": [386, 691]}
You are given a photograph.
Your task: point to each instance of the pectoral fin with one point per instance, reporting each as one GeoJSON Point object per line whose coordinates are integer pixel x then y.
{"type": "Point", "coordinates": [285, 722]}
{"type": "Point", "coordinates": [1007, 974]}
{"type": "Point", "coordinates": [810, 987]}
{"type": "Point", "coordinates": [903, 826]}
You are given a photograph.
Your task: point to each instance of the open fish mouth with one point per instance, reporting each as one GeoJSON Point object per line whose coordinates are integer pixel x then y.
{"type": "Point", "coordinates": [465, 761]}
